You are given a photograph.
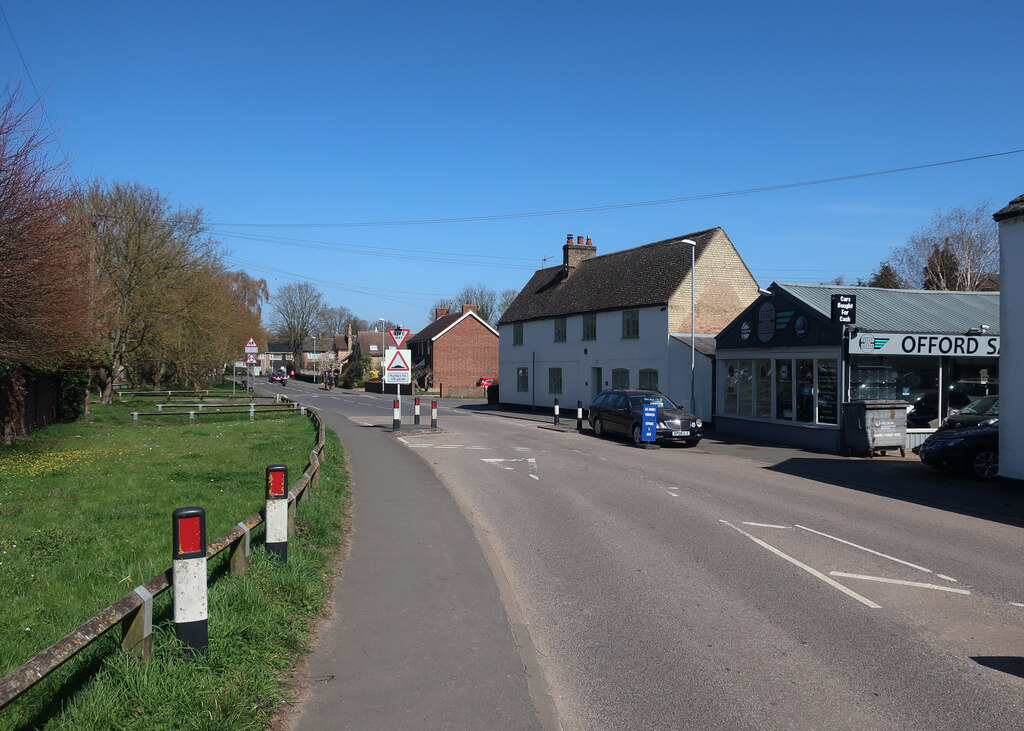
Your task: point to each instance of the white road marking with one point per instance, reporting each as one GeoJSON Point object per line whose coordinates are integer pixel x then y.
{"type": "Point", "coordinates": [883, 580]}
{"type": "Point", "coordinates": [479, 447]}
{"type": "Point", "coordinates": [869, 550]}
{"type": "Point", "coordinates": [768, 525]}
{"type": "Point", "coordinates": [813, 572]}
{"type": "Point", "coordinates": [529, 460]}
{"type": "Point", "coordinates": [1017, 604]}
{"type": "Point", "coordinates": [448, 446]}
{"type": "Point", "coordinates": [947, 578]}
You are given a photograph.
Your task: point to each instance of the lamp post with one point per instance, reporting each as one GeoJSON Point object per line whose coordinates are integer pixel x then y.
{"type": "Point", "coordinates": [693, 361]}
{"type": "Point", "coordinates": [314, 360]}
{"type": "Point", "coordinates": [383, 386]}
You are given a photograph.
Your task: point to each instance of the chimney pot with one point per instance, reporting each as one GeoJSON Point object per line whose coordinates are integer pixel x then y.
{"type": "Point", "coordinates": [579, 241]}
{"type": "Point", "coordinates": [589, 243]}
{"type": "Point", "coordinates": [568, 238]}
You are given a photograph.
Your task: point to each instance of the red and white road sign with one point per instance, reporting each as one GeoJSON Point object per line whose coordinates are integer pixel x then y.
{"type": "Point", "coordinates": [396, 366]}
{"type": "Point", "coordinates": [251, 359]}
{"type": "Point", "coordinates": [398, 335]}
{"type": "Point", "coordinates": [251, 346]}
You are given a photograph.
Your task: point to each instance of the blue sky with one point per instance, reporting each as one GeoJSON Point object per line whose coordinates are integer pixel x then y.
{"type": "Point", "coordinates": [330, 115]}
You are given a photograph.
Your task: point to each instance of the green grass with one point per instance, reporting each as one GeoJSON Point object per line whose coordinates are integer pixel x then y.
{"type": "Point", "coordinates": [85, 516]}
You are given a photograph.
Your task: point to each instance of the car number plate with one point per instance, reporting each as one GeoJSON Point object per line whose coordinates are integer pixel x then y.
{"type": "Point", "coordinates": [679, 433]}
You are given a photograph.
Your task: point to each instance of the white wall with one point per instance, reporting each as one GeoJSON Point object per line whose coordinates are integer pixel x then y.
{"type": "Point", "coordinates": [1011, 356]}
{"type": "Point", "coordinates": [576, 357]}
{"type": "Point", "coordinates": [678, 387]}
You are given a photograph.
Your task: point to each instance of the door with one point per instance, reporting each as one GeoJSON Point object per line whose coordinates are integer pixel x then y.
{"type": "Point", "coordinates": [595, 383]}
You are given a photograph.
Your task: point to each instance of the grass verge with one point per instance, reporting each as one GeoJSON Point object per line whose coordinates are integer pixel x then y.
{"type": "Point", "coordinates": [85, 516]}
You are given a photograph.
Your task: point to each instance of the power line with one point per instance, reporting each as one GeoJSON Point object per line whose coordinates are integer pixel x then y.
{"type": "Point", "coordinates": [617, 206]}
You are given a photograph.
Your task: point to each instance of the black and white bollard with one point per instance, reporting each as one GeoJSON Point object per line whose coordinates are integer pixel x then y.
{"type": "Point", "coordinates": [433, 414]}
{"type": "Point", "coordinates": [579, 416]}
{"type": "Point", "coordinates": [189, 577]}
{"type": "Point", "coordinates": [396, 420]}
{"type": "Point", "coordinates": [416, 412]}
{"type": "Point", "coordinates": [277, 511]}
{"type": "Point", "coordinates": [556, 413]}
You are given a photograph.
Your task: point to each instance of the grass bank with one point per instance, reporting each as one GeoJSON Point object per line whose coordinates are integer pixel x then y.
{"type": "Point", "coordinates": [85, 516]}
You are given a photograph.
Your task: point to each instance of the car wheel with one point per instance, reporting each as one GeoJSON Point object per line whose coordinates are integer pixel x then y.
{"type": "Point", "coordinates": [638, 435]}
{"type": "Point", "coordinates": [986, 464]}
{"type": "Point", "coordinates": [598, 427]}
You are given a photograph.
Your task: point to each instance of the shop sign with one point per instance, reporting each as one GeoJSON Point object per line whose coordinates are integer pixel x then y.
{"type": "Point", "coordinates": [844, 309]}
{"type": "Point", "coordinates": [964, 346]}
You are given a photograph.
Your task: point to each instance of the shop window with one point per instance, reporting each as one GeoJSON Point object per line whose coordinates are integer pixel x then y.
{"type": "Point", "coordinates": [559, 329]}
{"type": "Point", "coordinates": [620, 378]}
{"type": "Point", "coordinates": [630, 324]}
{"type": "Point", "coordinates": [649, 379]}
{"type": "Point", "coordinates": [517, 333]}
{"type": "Point", "coordinates": [554, 380]}
{"type": "Point", "coordinates": [523, 380]}
{"type": "Point", "coordinates": [828, 391]}
{"type": "Point", "coordinates": [763, 389]}
{"type": "Point", "coordinates": [745, 389]}
{"type": "Point", "coordinates": [731, 368]}
{"type": "Point", "coordinates": [804, 390]}
{"type": "Point", "coordinates": [590, 327]}
{"type": "Point", "coordinates": [784, 390]}
{"type": "Point", "coordinates": [872, 382]}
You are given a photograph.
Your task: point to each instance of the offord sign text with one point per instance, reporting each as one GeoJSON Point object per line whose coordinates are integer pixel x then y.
{"type": "Point", "coordinates": [967, 346]}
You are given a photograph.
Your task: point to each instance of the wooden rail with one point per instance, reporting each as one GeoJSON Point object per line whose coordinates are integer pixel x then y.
{"type": "Point", "coordinates": [134, 611]}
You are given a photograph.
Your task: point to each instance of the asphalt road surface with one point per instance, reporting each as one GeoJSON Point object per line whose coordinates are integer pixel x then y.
{"type": "Point", "coordinates": [729, 587]}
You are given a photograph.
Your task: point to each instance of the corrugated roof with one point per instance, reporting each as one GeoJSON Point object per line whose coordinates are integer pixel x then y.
{"type": "Point", "coordinates": [906, 310]}
{"type": "Point", "coordinates": [639, 277]}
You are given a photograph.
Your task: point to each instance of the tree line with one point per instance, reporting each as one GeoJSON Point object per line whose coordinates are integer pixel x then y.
{"type": "Point", "coordinates": [104, 280]}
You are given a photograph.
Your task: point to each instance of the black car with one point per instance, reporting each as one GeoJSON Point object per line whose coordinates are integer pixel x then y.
{"type": "Point", "coordinates": [620, 411]}
{"type": "Point", "coordinates": [983, 412]}
{"type": "Point", "coordinates": [972, 449]}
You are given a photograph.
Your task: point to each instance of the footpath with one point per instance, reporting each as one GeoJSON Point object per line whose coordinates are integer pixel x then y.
{"type": "Point", "coordinates": [419, 638]}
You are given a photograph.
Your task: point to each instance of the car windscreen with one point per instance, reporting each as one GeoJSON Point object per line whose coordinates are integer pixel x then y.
{"type": "Point", "coordinates": [662, 402]}
{"type": "Point", "coordinates": [986, 405]}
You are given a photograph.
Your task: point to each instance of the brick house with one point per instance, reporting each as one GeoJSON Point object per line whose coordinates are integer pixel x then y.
{"type": "Point", "coordinates": [458, 349]}
{"type": "Point", "coordinates": [622, 320]}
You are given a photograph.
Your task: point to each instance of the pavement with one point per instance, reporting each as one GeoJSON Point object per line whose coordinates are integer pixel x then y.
{"type": "Point", "coordinates": [426, 635]}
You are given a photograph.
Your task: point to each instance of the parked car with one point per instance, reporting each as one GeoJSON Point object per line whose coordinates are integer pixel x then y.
{"type": "Point", "coordinates": [971, 449]}
{"type": "Point", "coordinates": [619, 411]}
{"type": "Point", "coordinates": [983, 412]}
{"type": "Point", "coordinates": [485, 382]}
{"type": "Point", "coordinates": [960, 394]}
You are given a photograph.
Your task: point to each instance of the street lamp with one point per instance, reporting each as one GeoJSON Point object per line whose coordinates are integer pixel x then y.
{"type": "Point", "coordinates": [314, 360]}
{"type": "Point", "coordinates": [693, 362]}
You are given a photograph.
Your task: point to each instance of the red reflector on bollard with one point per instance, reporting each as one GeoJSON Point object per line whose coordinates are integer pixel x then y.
{"type": "Point", "coordinates": [189, 535]}
{"type": "Point", "coordinates": [277, 480]}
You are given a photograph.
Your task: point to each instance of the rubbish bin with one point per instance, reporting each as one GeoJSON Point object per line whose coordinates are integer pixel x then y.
{"type": "Point", "coordinates": [875, 426]}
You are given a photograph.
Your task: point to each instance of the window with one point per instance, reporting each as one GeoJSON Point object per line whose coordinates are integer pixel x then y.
{"type": "Point", "coordinates": [630, 324]}
{"type": "Point", "coordinates": [763, 388]}
{"type": "Point", "coordinates": [517, 333]}
{"type": "Point", "coordinates": [649, 379]}
{"type": "Point", "coordinates": [784, 390]}
{"type": "Point", "coordinates": [620, 378]}
{"type": "Point", "coordinates": [590, 327]}
{"type": "Point", "coordinates": [828, 391]}
{"type": "Point", "coordinates": [522, 379]}
{"type": "Point", "coordinates": [559, 329]}
{"type": "Point", "coordinates": [804, 390]}
{"type": "Point", "coordinates": [554, 380]}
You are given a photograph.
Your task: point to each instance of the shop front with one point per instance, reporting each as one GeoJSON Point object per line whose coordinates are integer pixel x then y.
{"type": "Point", "coordinates": [791, 360]}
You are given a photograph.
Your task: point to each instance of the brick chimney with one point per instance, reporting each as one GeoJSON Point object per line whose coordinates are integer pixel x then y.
{"type": "Point", "coordinates": [440, 312]}
{"type": "Point", "coordinates": [469, 307]}
{"type": "Point", "coordinates": [575, 254]}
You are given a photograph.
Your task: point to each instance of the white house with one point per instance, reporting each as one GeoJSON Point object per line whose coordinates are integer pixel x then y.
{"type": "Point", "coordinates": [1011, 316]}
{"type": "Point", "coordinates": [622, 320]}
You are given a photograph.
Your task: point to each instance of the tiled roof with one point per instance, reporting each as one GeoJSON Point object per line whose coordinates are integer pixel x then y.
{"type": "Point", "coordinates": [644, 276]}
{"type": "Point", "coordinates": [435, 327]}
{"type": "Point", "coordinates": [1014, 209]}
{"type": "Point", "coordinates": [703, 344]}
{"type": "Point", "coordinates": [906, 310]}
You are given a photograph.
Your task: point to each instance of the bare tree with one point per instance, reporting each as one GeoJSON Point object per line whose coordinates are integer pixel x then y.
{"type": "Point", "coordinates": [147, 255]}
{"type": "Point", "coordinates": [448, 303]}
{"type": "Point", "coordinates": [957, 250]}
{"type": "Point", "coordinates": [485, 299]}
{"type": "Point", "coordinates": [505, 300]}
{"type": "Point", "coordinates": [46, 282]}
{"type": "Point", "coordinates": [297, 310]}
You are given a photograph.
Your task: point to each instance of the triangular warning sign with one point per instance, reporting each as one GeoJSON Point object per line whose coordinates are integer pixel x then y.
{"type": "Point", "coordinates": [251, 343]}
{"type": "Point", "coordinates": [251, 359]}
{"type": "Point", "coordinates": [398, 362]}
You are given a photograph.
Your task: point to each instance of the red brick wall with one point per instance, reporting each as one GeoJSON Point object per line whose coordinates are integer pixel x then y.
{"type": "Point", "coordinates": [463, 355]}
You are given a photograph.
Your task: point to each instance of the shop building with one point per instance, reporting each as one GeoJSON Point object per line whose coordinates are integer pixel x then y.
{"type": "Point", "coordinates": [788, 363]}
{"type": "Point", "coordinates": [1011, 267]}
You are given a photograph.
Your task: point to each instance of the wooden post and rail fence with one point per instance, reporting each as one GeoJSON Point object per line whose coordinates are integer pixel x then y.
{"type": "Point", "coordinates": [134, 611]}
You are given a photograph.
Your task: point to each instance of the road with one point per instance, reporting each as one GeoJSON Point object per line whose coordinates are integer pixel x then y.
{"type": "Point", "coordinates": [718, 587]}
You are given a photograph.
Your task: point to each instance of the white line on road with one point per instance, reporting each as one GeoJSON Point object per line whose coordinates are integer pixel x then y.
{"type": "Point", "coordinates": [768, 525]}
{"type": "Point", "coordinates": [813, 572]}
{"type": "Point", "coordinates": [529, 460]}
{"type": "Point", "coordinates": [901, 582]}
{"type": "Point", "coordinates": [947, 578]}
{"type": "Point", "coordinates": [869, 550]}
{"type": "Point", "coordinates": [448, 446]}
